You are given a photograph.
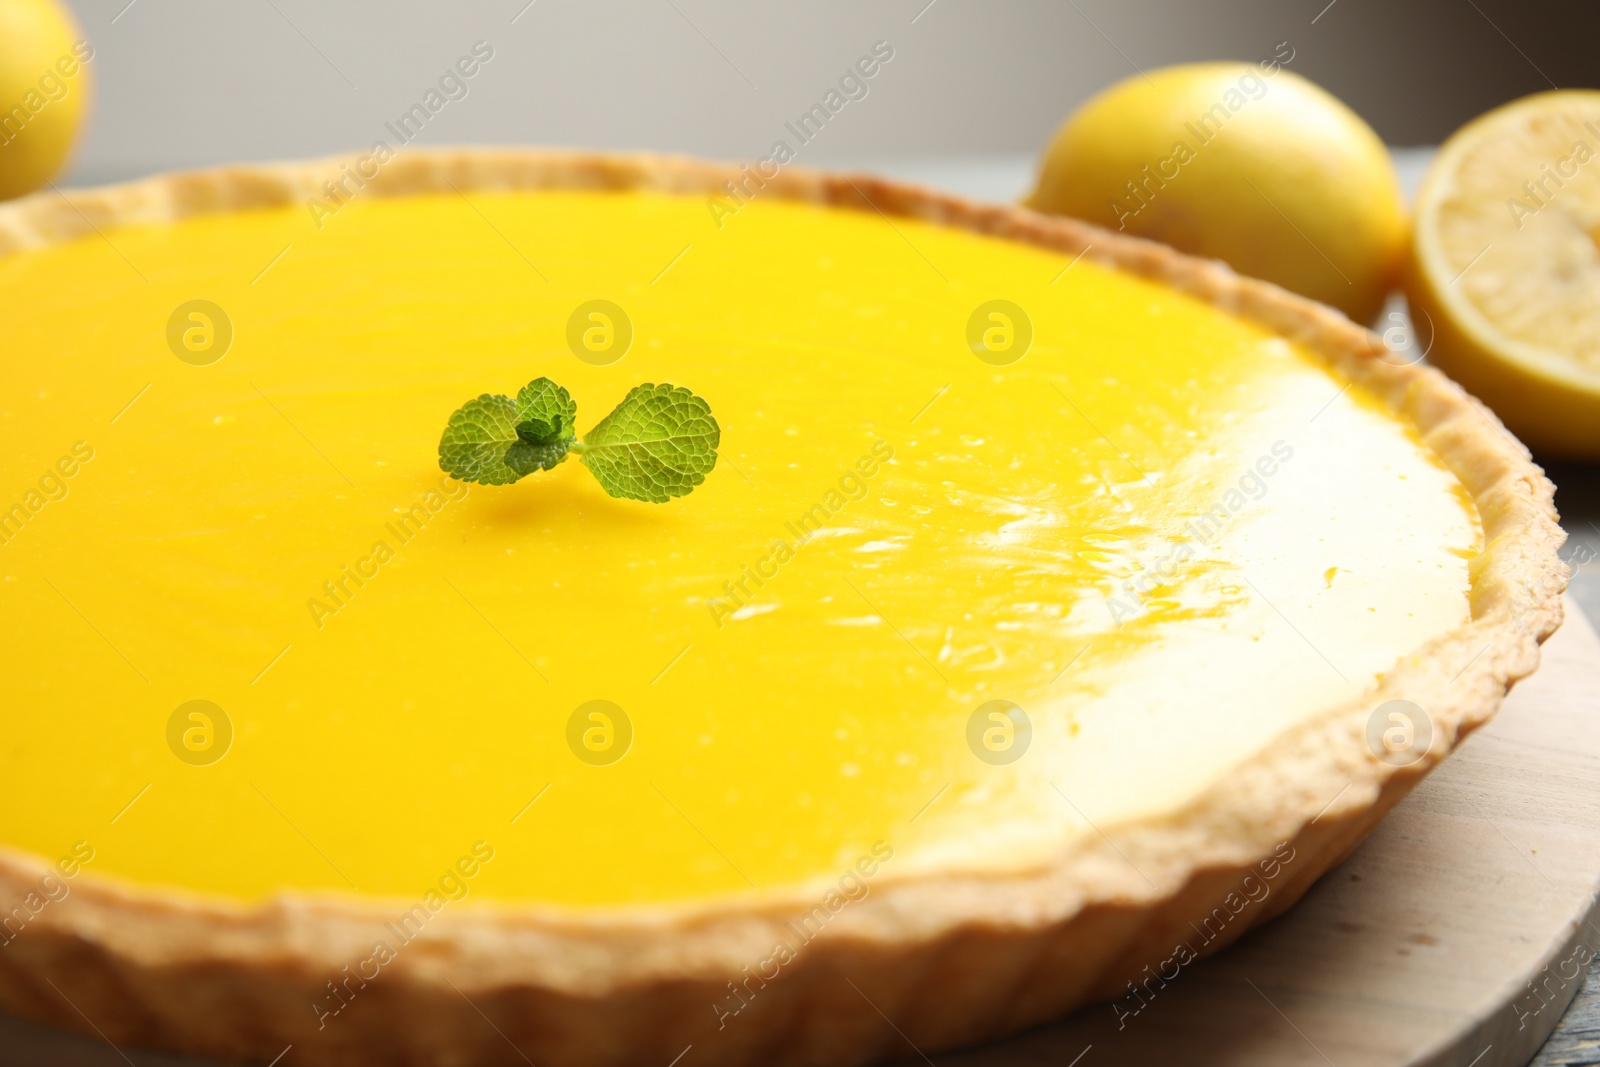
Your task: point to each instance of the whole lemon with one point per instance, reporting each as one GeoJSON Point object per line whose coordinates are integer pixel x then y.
{"type": "Point", "coordinates": [44, 91]}
{"type": "Point", "coordinates": [1248, 163]}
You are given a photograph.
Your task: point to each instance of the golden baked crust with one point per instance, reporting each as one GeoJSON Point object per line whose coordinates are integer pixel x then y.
{"type": "Point", "coordinates": [951, 959]}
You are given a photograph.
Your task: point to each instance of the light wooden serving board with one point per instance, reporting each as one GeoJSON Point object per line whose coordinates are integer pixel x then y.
{"type": "Point", "coordinates": [1421, 949]}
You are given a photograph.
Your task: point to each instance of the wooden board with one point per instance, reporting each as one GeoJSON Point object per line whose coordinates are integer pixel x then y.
{"type": "Point", "coordinates": [1423, 948]}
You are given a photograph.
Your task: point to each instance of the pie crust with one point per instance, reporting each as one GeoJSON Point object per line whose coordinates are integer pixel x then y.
{"type": "Point", "coordinates": [951, 960]}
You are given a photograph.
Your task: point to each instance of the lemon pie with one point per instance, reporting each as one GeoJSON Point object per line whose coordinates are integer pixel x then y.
{"type": "Point", "coordinates": [1056, 601]}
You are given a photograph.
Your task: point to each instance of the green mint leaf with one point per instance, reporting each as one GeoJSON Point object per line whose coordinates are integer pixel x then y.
{"type": "Point", "coordinates": [544, 434]}
{"type": "Point", "coordinates": [475, 443]}
{"type": "Point", "coordinates": [538, 432]}
{"type": "Point", "coordinates": [525, 457]}
{"type": "Point", "coordinates": [660, 442]}
{"type": "Point", "coordinates": [548, 410]}
{"type": "Point", "coordinates": [548, 416]}
{"type": "Point", "coordinates": [495, 440]}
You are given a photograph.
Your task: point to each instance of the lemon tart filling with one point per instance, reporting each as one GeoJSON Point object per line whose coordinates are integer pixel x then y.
{"type": "Point", "coordinates": [1001, 547]}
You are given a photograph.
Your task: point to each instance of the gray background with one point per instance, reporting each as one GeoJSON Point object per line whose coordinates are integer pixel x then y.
{"type": "Point", "coordinates": [193, 82]}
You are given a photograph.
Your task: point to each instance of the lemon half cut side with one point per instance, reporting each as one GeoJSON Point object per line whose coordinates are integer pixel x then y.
{"type": "Point", "coordinates": [1505, 266]}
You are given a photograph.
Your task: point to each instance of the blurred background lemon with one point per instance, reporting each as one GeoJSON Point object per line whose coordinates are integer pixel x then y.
{"type": "Point", "coordinates": [1248, 163]}
{"type": "Point", "coordinates": [44, 92]}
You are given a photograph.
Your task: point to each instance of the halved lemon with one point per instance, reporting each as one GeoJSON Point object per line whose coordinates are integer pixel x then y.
{"type": "Point", "coordinates": [1505, 268]}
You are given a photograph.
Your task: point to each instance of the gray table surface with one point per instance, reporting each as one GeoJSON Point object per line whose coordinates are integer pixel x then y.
{"type": "Point", "coordinates": [1576, 1040]}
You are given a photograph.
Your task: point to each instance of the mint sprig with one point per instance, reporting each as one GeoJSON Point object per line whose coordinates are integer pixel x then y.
{"type": "Point", "coordinates": [659, 443]}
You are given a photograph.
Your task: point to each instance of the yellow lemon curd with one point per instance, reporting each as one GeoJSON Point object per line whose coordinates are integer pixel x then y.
{"type": "Point", "coordinates": [1163, 534]}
